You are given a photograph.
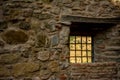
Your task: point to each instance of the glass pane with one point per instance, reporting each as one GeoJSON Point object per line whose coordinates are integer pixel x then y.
{"type": "Point", "coordinates": [72, 39]}
{"type": "Point", "coordinates": [78, 60]}
{"type": "Point", "coordinates": [72, 60]}
{"type": "Point", "coordinates": [84, 59]}
{"type": "Point", "coordinates": [78, 53]}
{"type": "Point", "coordinates": [78, 39]}
{"type": "Point", "coordinates": [83, 39]}
{"type": "Point", "coordinates": [72, 53]}
{"type": "Point", "coordinates": [72, 46]}
{"type": "Point", "coordinates": [78, 46]}
{"type": "Point", "coordinates": [88, 46]}
{"type": "Point", "coordinates": [84, 53]}
{"type": "Point", "coordinates": [89, 53]}
{"type": "Point", "coordinates": [89, 40]}
{"type": "Point", "coordinates": [83, 46]}
{"type": "Point", "coordinates": [89, 59]}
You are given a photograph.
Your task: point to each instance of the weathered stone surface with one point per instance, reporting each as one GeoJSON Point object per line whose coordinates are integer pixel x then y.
{"type": "Point", "coordinates": [25, 68]}
{"type": "Point", "coordinates": [3, 25]}
{"type": "Point", "coordinates": [54, 40]}
{"type": "Point", "coordinates": [15, 37]}
{"type": "Point", "coordinates": [50, 25]}
{"type": "Point", "coordinates": [4, 71]}
{"type": "Point", "coordinates": [43, 55]}
{"type": "Point", "coordinates": [35, 24]}
{"type": "Point", "coordinates": [42, 40]}
{"type": "Point", "coordinates": [9, 58]}
{"type": "Point", "coordinates": [24, 26]}
{"type": "Point", "coordinates": [35, 78]}
{"type": "Point", "coordinates": [44, 16]}
{"type": "Point", "coordinates": [54, 66]}
{"type": "Point", "coordinates": [27, 1]}
{"type": "Point", "coordinates": [45, 74]}
{"type": "Point", "coordinates": [40, 37]}
{"type": "Point", "coordinates": [47, 1]}
{"type": "Point", "coordinates": [2, 43]}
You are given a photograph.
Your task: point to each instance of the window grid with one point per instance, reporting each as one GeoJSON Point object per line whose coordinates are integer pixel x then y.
{"type": "Point", "coordinates": [80, 49]}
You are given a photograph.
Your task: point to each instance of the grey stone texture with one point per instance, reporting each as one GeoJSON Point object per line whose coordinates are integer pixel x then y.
{"type": "Point", "coordinates": [34, 40]}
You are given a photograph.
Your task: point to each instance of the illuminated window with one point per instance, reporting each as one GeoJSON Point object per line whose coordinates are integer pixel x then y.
{"type": "Point", "coordinates": [80, 49]}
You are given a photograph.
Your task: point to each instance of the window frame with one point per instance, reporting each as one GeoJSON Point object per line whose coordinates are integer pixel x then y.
{"type": "Point", "coordinates": [92, 48]}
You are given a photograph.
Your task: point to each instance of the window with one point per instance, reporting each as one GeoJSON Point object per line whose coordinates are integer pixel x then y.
{"type": "Point", "coordinates": [80, 49]}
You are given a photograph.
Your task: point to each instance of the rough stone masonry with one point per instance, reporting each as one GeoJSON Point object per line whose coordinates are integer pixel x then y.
{"type": "Point", "coordinates": [34, 43]}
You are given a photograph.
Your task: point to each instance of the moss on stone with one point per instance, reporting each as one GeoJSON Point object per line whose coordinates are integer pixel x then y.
{"type": "Point", "coordinates": [15, 37]}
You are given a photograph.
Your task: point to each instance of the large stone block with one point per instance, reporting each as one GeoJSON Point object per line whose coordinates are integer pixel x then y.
{"type": "Point", "coordinates": [9, 58]}
{"type": "Point", "coordinates": [25, 68]}
{"type": "Point", "coordinates": [4, 72]}
{"type": "Point", "coordinates": [15, 36]}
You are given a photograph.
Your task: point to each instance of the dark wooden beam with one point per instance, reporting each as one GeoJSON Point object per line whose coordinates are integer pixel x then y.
{"type": "Point", "coordinates": [71, 18]}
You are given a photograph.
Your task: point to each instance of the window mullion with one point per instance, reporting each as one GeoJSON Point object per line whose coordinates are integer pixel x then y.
{"type": "Point", "coordinates": [86, 49]}
{"type": "Point", "coordinates": [81, 51]}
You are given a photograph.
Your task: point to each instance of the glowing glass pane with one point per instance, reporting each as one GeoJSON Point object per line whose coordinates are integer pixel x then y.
{"type": "Point", "coordinates": [83, 46]}
{"type": "Point", "coordinates": [72, 39]}
{"type": "Point", "coordinates": [72, 53]}
{"type": "Point", "coordinates": [78, 39]}
{"type": "Point", "coordinates": [72, 60]}
{"type": "Point", "coordinates": [89, 46]}
{"type": "Point", "coordinates": [84, 59]}
{"type": "Point", "coordinates": [72, 46]}
{"type": "Point", "coordinates": [89, 59]}
{"type": "Point", "coordinates": [89, 40]}
{"type": "Point", "coordinates": [78, 60]}
{"type": "Point", "coordinates": [89, 53]}
{"type": "Point", "coordinates": [84, 40]}
{"type": "Point", "coordinates": [84, 53]}
{"type": "Point", "coordinates": [78, 46]}
{"type": "Point", "coordinates": [78, 53]}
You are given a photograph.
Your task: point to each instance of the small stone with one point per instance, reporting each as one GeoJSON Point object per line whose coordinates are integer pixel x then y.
{"type": "Point", "coordinates": [35, 24]}
{"type": "Point", "coordinates": [54, 40]}
{"type": "Point", "coordinates": [101, 46]}
{"type": "Point", "coordinates": [24, 26]}
{"type": "Point", "coordinates": [42, 40]}
{"type": "Point", "coordinates": [43, 55]}
{"type": "Point", "coordinates": [54, 66]}
{"type": "Point", "coordinates": [45, 16]}
{"type": "Point", "coordinates": [45, 74]}
{"type": "Point", "coordinates": [50, 25]}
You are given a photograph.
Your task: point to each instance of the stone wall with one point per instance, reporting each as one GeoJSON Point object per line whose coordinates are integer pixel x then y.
{"type": "Point", "coordinates": [34, 44]}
